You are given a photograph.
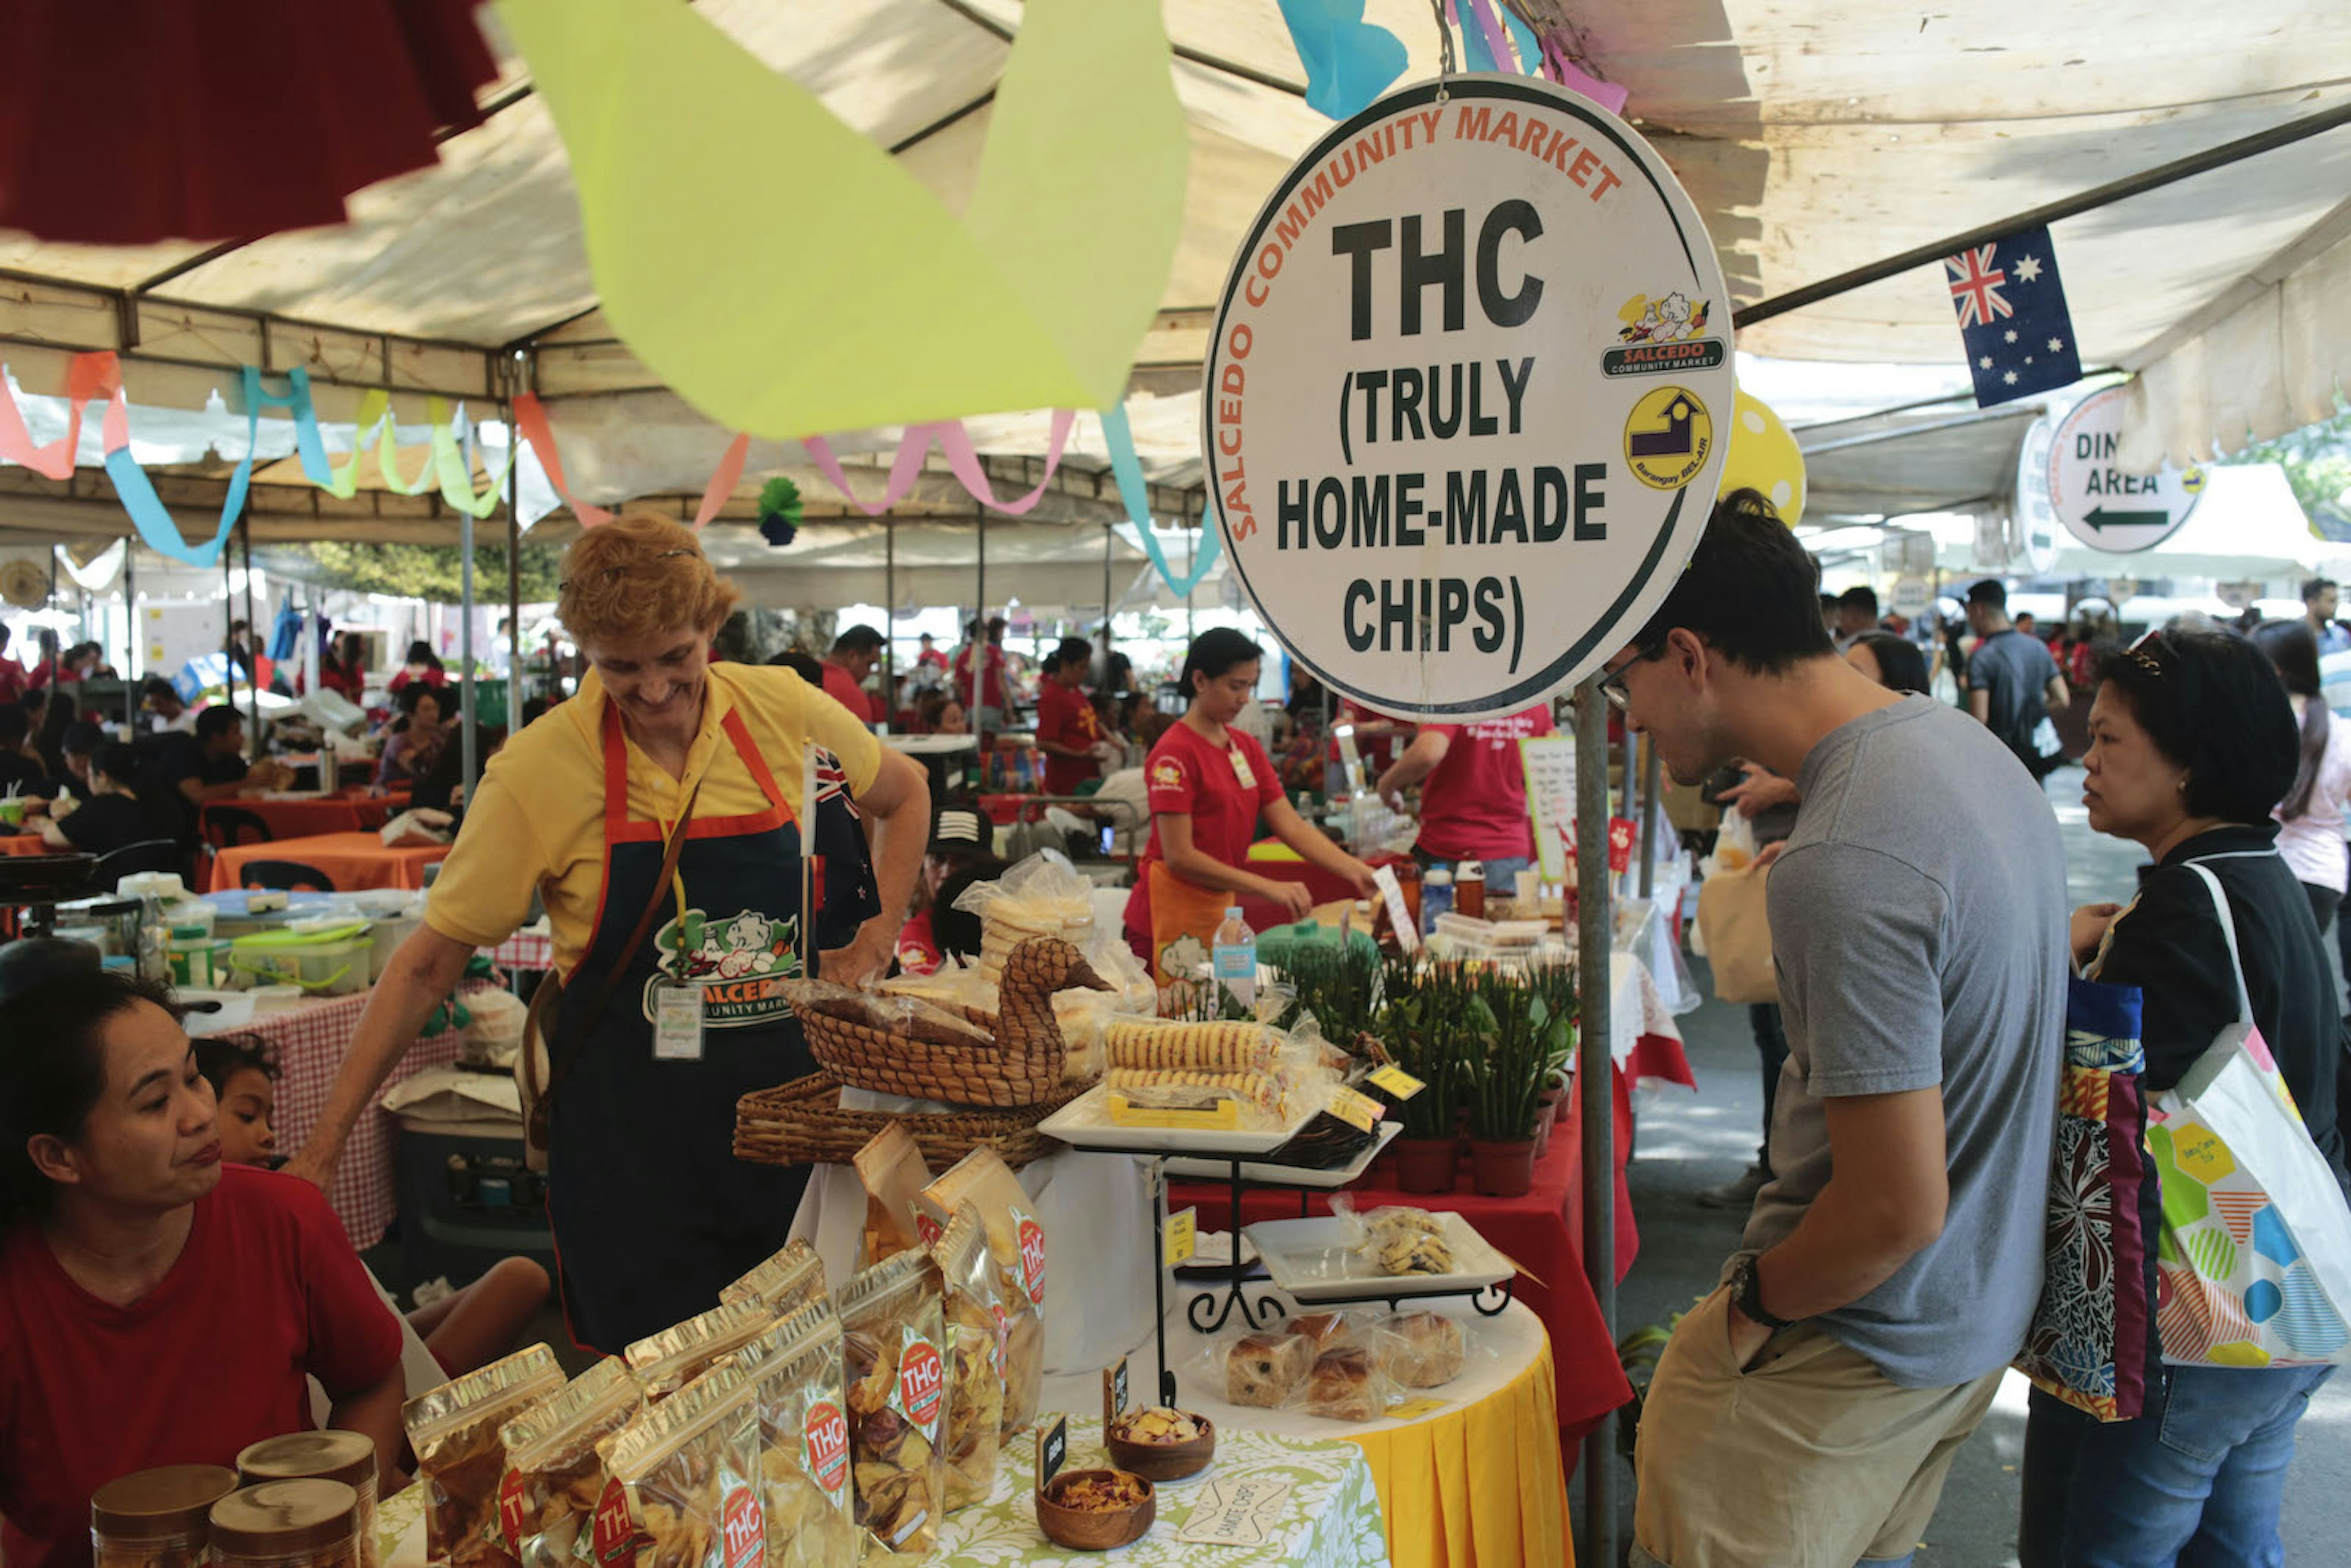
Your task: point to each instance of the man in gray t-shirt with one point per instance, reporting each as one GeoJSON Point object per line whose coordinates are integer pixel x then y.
{"type": "Point", "coordinates": [1805, 1413]}
{"type": "Point", "coordinates": [2013, 686]}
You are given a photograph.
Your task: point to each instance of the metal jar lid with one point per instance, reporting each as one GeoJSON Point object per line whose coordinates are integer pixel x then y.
{"type": "Point", "coordinates": [345, 1457]}
{"type": "Point", "coordinates": [285, 1518]}
{"type": "Point", "coordinates": [160, 1505]}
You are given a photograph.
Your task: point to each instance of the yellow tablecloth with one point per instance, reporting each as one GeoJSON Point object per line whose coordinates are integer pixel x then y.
{"type": "Point", "coordinates": [1508, 1442]}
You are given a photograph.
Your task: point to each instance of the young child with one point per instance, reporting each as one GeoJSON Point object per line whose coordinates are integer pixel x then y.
{"type": "Point", "coordinates": [468, 1329]}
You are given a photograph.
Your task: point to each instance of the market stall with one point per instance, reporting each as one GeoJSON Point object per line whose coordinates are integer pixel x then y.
{"type": "Point", "coordinates": [349, 861]}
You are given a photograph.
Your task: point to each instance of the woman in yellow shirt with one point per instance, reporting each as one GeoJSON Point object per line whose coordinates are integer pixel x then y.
{"type": "Point", "coordinates": [651, 1048]}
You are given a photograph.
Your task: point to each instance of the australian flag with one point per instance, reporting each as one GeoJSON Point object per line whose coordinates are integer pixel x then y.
{"type": "Point", "coordinates": [2012, 317]}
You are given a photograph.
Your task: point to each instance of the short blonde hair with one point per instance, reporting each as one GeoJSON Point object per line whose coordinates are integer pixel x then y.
{"type": "Point", "coordinates": [639, 576]}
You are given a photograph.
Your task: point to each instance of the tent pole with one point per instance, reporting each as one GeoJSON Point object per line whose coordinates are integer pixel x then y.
{"type": "Point", "coordinates": [1650, 771]}
{"type": "Point", "coordinates": [228, 621]}
{"type": "Point", "coordinates": [890, 619]}
{"type": "Point", "coordinates": [1596, 922]}
{"type": "Point", "coordinates": [1110, 539]}
{"type": "Point", "coordinates": [252, 635]}
{"type": "Point", "coordinates": [131, 664]}
{"type": "Point", "coordinates": [979, 648]}
{"type": "Point", "coordinates": [2114, 190]}
{"type": "Point", "coordinates": [468, 760]}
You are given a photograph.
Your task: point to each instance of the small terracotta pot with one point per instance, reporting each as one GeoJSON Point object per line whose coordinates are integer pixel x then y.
{"type": "Point", "coordinates": [1426, 1165]}
{"type": "Point", "coordinates": [1502, 1170]}
{"type": "Point", "coordinates": [1543, 1125]}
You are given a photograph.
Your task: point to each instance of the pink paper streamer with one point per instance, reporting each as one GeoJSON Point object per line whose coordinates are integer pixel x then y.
{"type": "Point", "coordinates": [1490, 25]}
{"type": "Point", "coordinates": [963, 462]}
{"type": "Point", "coordinates": [1608, 95]}
{"type": "Point", "coordinates": [722, 482]}
{"type": "Point", "coordinates": [88, 376]}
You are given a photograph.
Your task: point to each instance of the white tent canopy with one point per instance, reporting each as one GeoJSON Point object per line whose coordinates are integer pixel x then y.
{"type": "Point", "coordinates": [1815, 138]}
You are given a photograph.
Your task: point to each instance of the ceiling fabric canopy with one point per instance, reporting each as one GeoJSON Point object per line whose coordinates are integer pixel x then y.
{"type": "Point", "coordinates": [1814, 137]}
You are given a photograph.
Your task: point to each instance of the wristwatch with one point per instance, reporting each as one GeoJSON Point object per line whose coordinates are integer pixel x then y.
{"type": "Point", "coordinates": [1747, 1292]}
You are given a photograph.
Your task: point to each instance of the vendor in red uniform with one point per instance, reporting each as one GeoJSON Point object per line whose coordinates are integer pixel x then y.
{"type": "Point", "coordinates": [855, 653]}
{"type": "Point", "coordinates": [1069, 732]}
{"type": "Point", "coordinates": [1473, 796]}
{"type": "Point", "coordinates": [990, 701]}
{"type": "Point", "coordinates": [1208, 783]}
{"type": "Point", "coordinates": [155, 1308]}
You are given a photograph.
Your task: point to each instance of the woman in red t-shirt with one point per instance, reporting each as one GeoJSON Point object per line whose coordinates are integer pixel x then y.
{"type": "Point", "coordinates": [155, 1309]}
{"type": "Point", "coordinates": [1069, 732]}
{"type": "Point", "coordinates": [1208, 784]}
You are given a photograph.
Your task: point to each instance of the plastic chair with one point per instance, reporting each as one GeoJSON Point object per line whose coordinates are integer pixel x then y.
{"type": "Point", "coordinates": [285, 875]}
{"type": "Point", "coordinates": [147, 855]}
{"type": "Point", "coordinates": [226, 827]}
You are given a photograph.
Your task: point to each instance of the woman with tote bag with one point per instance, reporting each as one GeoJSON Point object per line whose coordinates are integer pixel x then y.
{"type": "Point", "coordinates": [2192, 743]}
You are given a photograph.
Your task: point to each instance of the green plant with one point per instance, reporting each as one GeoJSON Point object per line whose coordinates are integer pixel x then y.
{"type": "Point", "coordinates": [1420, 1024]}
{"type": "Point", "coordinates": [1524, 1042]}
{"type": "Point", "coordinates": [1339, 986]}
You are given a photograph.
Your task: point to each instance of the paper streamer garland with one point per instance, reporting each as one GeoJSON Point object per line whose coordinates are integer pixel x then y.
{"type": "Point", "coordinates": [697, 166]}
{"type": "Point", "coordinates": [1127, 469]}
{"type": "Point", "coordinates": [963, 462]}
{"type": "Point", "coordinates": [1349, 61]}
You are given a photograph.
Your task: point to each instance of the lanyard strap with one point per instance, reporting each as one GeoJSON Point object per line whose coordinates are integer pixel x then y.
{"type": "Point", "coordinates": [2229, 930]}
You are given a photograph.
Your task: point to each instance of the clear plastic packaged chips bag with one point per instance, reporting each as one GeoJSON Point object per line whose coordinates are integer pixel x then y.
{"type": "Point", "coordinates": [792, 1278]}
{"type": "Point", "coordinates": [893, 1174]}
{"type": "Point", "coordinates": [795, 1368]}
{"type": "Point", "coordinates": [977, 1329]}
{"type": "Point", "coordinates": [894, 1334]}
{"type": "Point", "coordinates": [665, 1361]}
{"type": "Point", "coordinates": [1016, 1242]}
{"type": "Point", "coordinates": [892, 1012]}
{"type": "Point", "coordinates": [682, 1487]}
{"type": "Point", "coordinates": [554, 1474]}
{"type": "Point", "coordinates": [461, 1462]}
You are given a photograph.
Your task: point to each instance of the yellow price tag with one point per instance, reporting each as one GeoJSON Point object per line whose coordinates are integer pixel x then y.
{"type": "Point", "coordinates": [1413, 1410]}
{"type": "Point", "coordinates": [1182, 1238]}
{"type": "Point", "coordinates": [1357, 1110]}
{"type": "Point", "coordinates": [1223, 1116]}
{"type": "Point", "coordinates": [1397, 1081]}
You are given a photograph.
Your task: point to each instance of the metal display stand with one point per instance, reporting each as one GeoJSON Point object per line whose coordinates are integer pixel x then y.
{"type": "Point", "coordinates": [1208, 1315]}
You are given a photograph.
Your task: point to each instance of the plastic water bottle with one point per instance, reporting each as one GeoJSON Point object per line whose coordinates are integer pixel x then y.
{"type": "Point", "coordinates": [1234, 958]}
{"type": "Point", "coordinates": [1436, 897]}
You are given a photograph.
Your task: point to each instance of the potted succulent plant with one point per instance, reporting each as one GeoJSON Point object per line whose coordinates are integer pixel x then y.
{"type": "Point", "coordinates": [1522, 1049]}
{"type": "Point", "coordinates": [1420, 1026]}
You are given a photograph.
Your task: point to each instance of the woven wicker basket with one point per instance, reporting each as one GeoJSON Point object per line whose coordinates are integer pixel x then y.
{"type": "Point", "coordinates": [801, 1122]}
{"type": "Point", "coordinates": [1022, 1066]}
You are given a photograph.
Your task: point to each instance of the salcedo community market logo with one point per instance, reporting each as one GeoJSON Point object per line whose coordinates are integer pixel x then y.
{"type": "Point", "coordinates": [1439, 458]}
{"type": "Point", "coordinates": [740, 961]}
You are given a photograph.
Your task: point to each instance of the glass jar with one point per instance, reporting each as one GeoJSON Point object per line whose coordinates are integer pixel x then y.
{"type": "Point", "coordinates": [157, 1519]}
{"type": "Point", "coordinates": [288, 1524]}
{"type": "Point", "coordinates": [330, 1455]}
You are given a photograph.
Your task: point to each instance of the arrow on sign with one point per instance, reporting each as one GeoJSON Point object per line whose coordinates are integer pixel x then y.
{"type": "Point", "coordinates": [2101, 518]}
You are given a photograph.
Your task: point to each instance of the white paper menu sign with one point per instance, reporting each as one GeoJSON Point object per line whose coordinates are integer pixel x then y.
{"type": "Point", "coordinates": [1238, 1510]}
{"type": "Point", "coordinates": [1550, 763]}
{"type": "Point", "coordinates": [1399, 915]}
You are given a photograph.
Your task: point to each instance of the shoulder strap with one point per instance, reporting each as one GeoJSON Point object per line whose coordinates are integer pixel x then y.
{"type": "Point", "coordinates": [2229, 930]}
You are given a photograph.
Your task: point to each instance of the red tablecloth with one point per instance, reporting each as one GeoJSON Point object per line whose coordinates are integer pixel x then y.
{"type": "Point", "coordinates": [1543, 1231]}
{"type": "Point", "coordinates": [309, 1042]}
{"type": "Point", "coordinates": [351, 860]}
{"type": "Point", "coordinates": [27, 845]}
{"type": "Point", "coordinates": [327, 814]}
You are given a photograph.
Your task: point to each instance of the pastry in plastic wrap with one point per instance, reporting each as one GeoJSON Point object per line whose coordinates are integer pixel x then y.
{"type": "Point", "coordinates": [893, 1334]}
{"type": "Point", "coordinates": [1410, 1253]}
{"type": "Point", "coordinates": [682, 1487]}
{"type": "Point", "coordinates": [460, 1461]}
{"type": "Point", "coordinates": [797, 1383]}
{"type": "Point", "coordinates": [1266, 1369]}
{"type": "Point", "coordinates": [1420, 1350]}
{"type": "Point", "coordinates": [1345, 1387]}
{"type": "Point", "coordinates": [1327, 1329]}
{"type": "Point", "coordinates": [1169, 1044]}
{"type": "Point", "coordinates": [555, 1475]}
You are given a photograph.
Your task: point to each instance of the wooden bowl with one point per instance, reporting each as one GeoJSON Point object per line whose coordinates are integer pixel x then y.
{"type": "Point", "coordinates": [1093, 1530]}
{"type": "Point", "coordinates": [1165, 1461]}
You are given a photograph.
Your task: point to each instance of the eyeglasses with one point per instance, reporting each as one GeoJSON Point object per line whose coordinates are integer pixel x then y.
{"type": "Point", "coordinates": [614, 573]}
{"type": "Point", "coordinates": [2152, 654]}
{"type": "Point", "coordinates": [1612, 684]}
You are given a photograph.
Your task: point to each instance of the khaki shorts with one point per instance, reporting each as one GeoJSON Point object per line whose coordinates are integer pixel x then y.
{"type": "Point", "coordinates": [1809, 1458]}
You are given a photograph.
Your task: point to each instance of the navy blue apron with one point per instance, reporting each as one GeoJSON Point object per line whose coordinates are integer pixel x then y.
{"type": "Point", "coordinates": [651, 1211]}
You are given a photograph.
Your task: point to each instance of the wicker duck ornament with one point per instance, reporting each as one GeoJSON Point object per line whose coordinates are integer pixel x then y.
{"type": "Point", "coordinates": [1021, 1066]}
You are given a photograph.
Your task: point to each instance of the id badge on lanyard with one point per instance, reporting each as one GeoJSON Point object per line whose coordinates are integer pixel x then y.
{"type": "Point", "coordinates": [677, 1005]}
{"type": "Point", "coordinates": [1242, 769]}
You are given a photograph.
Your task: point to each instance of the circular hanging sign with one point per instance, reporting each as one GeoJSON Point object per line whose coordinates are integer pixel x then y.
{"type": "Point", "coordinates": [1467, 397]}
{"type": "Point", "coordinates": [2104, 506]}
{"type": "Point", "coordinates": [2036, 519]}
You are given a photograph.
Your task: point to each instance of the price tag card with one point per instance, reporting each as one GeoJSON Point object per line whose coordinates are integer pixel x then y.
{"type": "Point", "coordinates": [1356, 1110]}
{"type": "Point", "coordinates": [1222, 1117]}
{"type": "Point", "coordinates": [1114, 1393]}
{"type": "Point", "coordinates": [1181, 1238]}
{"type": "Point", "coordinates": [677, 1023]}
{"type": "Point", "coordinates": [1413, 1409]}
{"type": "Point", "coordinates": [1397, 1081]}
{"type": "Point", "coordinates": [1239, 1510]}
{"type": "Point", "coordinates": [1053, 1451]}
{"type": "Point", "coordinates": [1399, 916]}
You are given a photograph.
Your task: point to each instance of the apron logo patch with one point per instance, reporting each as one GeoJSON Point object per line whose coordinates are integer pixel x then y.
{"type": "Point", "coordinates": [739, 961]}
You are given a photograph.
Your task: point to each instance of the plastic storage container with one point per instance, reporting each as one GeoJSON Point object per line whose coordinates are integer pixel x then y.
{"type": "Point", "coordinates": [199, 961]}
{"type": "Point", "coordinates": [288, 1524]}
{"type": "Point", "coordinates": [330, 961]}
{"type": "Point", "coordinates": [157, 1519]}
{"type": "Point", "coordinates": [328, 1456]}
{"type": "Point", "coordinates": [393, 915]}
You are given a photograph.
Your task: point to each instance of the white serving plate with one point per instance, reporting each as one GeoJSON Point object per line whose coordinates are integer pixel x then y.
{"type": "Point", "coordinates": [1287, 1175]}
{"type": "Point", "coordinates": [1084, 1124]}
{"type": "Point", "coordinates": [1309, 1259]}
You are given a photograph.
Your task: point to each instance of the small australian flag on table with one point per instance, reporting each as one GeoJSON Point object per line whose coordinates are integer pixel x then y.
{"type": "Point", "coordinates": [2012, 317]}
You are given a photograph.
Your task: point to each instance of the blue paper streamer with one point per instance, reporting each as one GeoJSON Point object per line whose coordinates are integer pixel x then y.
{"type": "Point", "coordinates": [1349, 61]}
{"type": "Point", "coordinates": [153, 519]}
{"type": "Point", "coordinates": [1531, 54]}
{"type": "Point", "coordinates": [1474, 50]}
{"type": "Point", "coordinates": [1127, 470]}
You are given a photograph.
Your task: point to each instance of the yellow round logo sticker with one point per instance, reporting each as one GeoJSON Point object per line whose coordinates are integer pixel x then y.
{"type": "Point", "coordinates": [1668, 437]}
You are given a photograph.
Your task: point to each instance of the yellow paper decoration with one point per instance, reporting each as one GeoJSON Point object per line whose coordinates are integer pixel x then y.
{"type": "Point", "coordinates": [787, 277]}
{"type": "Point", "coordinates": [1764, 457]}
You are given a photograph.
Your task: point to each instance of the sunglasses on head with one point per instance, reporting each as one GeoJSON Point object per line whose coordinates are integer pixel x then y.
{"type": "Point", "coordinates": [2152, 654]}
{"type": "Point", "coordinates": [614, 573]}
